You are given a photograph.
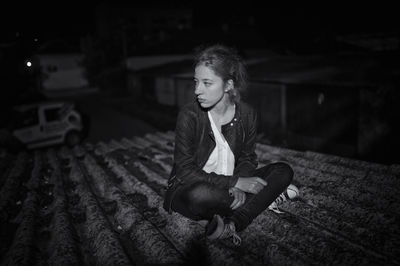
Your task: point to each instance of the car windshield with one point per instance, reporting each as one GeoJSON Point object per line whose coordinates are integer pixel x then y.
{"type": "Point", "coordinates": [65, 110]}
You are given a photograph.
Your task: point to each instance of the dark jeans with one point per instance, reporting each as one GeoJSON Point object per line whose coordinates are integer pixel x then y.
{"type": "Point", "coordinates": [201, 200]}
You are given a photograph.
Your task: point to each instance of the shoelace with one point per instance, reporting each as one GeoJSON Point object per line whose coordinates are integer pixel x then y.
{"type": "Point", "coordinates": [236, 240]}
{"type": "Point", "coordinates": [230, 231]}
{"type": "Point", "coordinates": [274, 205]}
{"type": "Point", "coordinates": [281, 198]}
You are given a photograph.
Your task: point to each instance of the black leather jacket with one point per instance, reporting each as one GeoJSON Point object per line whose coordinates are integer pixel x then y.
{"type": "Point", "coordinates": [194, 142]}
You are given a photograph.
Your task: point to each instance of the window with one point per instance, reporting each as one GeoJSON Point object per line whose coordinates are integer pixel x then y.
{"type": "Point", "coordinates": [52, 114]}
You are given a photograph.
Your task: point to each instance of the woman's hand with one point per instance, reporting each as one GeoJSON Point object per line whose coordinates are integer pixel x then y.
{"type": "Point", "coordinates": [239, 197]}
{"type": "Point", "coordinates": [250, 184]}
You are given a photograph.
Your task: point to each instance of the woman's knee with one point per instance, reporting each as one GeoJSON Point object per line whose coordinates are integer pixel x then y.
{"type": "Point", "coordinates": [285, 171]}
{"type": "Point", "coordinates": [197, 194]}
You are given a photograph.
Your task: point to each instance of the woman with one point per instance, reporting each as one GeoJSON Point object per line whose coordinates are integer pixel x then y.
{"type": "Point", "coordinates": [214, 176]}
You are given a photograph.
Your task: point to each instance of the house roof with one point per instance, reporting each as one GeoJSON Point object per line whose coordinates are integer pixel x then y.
{"type": "Point", "coordinates": [23, 107]}
{"type": "Point", "coordinates": [345, 69]}
{"type": "Point", "coordinates": [102, 203]}
{"type": "Point", "coordinates": [168, 69]}
{"type": "Point", "coordinates": [342, 69]}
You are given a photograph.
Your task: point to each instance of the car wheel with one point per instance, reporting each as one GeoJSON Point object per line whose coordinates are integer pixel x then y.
{"type": "Point", "coordinates": [73, 138]}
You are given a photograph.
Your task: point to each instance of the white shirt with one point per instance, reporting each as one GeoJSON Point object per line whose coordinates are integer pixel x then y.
{"type": "Point", "coordinates": [221, 160]}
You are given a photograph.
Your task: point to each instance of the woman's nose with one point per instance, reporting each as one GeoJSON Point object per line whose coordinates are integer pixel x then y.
{"type": "Point", "coordinates": [197, 89]}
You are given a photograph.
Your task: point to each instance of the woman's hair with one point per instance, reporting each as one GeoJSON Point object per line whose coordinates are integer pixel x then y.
{"type": "Point", "coordinates": [227, 64]}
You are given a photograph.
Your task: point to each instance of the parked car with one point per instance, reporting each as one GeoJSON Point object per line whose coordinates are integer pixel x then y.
{"type": "Point", "coordinates": [47, 123]}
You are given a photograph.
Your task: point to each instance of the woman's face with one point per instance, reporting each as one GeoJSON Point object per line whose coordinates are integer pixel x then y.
{"type": "Point", "coordinates": [209, 88]}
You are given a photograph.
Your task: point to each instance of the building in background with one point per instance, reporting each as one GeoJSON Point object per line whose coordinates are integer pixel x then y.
{"type": "Point", "coordinates": [343, 104]}
{"type": "Point", "coordinates": [61, 72]}
{"type": "Point", "coordinates": [60, 69]}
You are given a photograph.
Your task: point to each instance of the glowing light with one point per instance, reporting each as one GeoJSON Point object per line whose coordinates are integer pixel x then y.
{"type": "Point", "coordinates": [28, 63]}
{"type": "Point", "coordinates": [321, 98]}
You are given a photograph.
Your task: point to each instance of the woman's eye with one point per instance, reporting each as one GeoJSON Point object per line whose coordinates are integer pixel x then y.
{"type": "Point", "coordinates": [207, 84]}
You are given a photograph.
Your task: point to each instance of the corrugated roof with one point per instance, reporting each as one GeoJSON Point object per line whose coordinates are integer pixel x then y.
{"type": "Point", "coordinates": [102, 204]}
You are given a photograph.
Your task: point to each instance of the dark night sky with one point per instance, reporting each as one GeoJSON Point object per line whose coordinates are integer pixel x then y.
{"type": "Point", "coordinates": [282, 25]}
{"type": "Point", "coordinates": [71, 19]}
{"type": "Point", "coordinates": [47, 20]}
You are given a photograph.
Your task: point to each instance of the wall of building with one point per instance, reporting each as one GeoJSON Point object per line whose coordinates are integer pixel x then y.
{"type": "Point", "coordinates": [61, 71]}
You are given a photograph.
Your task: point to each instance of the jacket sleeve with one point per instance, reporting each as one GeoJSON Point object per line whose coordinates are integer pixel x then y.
{"type": "Point", "coordinates": [187, 171]}
{"type": "Point", "coordinates": [247, 162]}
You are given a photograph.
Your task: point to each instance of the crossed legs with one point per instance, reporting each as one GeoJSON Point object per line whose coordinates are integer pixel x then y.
{"type": "Point", "coordinates": [200, 201]}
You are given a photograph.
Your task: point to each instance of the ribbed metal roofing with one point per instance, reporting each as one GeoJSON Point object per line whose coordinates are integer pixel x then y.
{"type": "Point", "coordinates": [101, 204]}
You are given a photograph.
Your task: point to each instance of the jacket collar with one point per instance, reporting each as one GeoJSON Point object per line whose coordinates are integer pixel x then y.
{"type": "Point", "coordinates": [204, 115]}
{"type": "Point", "coordinates": [204, 118]}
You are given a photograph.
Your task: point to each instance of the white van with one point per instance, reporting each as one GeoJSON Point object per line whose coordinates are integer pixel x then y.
{"type": "Point", "coordinates": [47, 123]}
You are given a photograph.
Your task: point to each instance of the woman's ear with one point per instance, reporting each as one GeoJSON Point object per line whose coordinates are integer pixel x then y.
{"type": "Point", "coordinates": [229, 85]}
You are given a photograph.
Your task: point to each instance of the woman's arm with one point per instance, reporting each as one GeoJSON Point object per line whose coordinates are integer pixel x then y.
{"type": "Point", "coordinates": [185, 149]}
{"type": "Point", "coordinates": [247, 162]}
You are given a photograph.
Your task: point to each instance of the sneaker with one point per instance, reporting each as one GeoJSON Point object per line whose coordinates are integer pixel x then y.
{"type": "Point", "coordinates": [290, 193]}
{"type": "Point", "coordinates": [217, 228]}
